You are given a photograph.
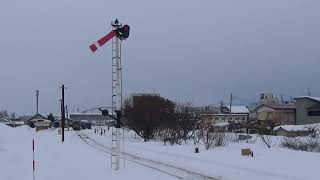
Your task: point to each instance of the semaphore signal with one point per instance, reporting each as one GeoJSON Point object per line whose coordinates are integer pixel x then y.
{"type": "Point", "coordinates": [120, 32]}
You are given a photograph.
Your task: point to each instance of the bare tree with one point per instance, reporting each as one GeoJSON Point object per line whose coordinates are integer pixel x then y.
{"type": "Point", "coordinates": [147, 114]}
{"type": "Point", "coordinates": [210, 135]}
{"type": "Point", "coordinates": [185, 120]}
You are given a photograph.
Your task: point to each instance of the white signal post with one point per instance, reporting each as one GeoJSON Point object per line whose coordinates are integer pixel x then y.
{"type": "Point", "coordinates": [120, 32]}
{"type": "Point", "coordinates": [117, 92]}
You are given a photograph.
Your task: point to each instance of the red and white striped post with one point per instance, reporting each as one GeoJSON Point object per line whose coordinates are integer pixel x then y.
{"type": "Point", "coordinates": [33, 163]}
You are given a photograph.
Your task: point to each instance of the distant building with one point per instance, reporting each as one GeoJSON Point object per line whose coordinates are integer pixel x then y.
{"type": "Point", "coordinates": [96, 119]}
{"type": "Point", "coordinates": [308, 110]}
{"type": "Point", "coordinates": [267, 98]}
{"type": "Point", "coordinates": [294, 130]}
{"type": "Point", "coordinates": [39, 122]}
{"type": "Point", "coordinates": [238, 114]}
{"type": "Point", "coordinates": [282, 113]}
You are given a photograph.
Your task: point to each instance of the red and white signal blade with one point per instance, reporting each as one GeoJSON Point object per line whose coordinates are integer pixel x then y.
{"type": "Point", "coordinates": [102, 41]}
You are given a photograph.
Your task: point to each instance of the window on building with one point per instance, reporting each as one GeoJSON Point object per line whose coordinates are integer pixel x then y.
{"type": "Point", "coordinates": [314, 113]}
{"type": "Point", "coordinates": [237, 118]}
{"type": "Point", "coordinates": [229, 118]}
{"type": "Point", "coordinates": [216, 118]}
{"type": "Point", "coordinates": [223, 118]}
{"type": "Point", "coordinates": [243, 118]}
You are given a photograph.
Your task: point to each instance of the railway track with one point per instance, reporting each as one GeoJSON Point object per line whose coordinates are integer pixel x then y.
{"type": "Point", "coordinates": [171, 170]}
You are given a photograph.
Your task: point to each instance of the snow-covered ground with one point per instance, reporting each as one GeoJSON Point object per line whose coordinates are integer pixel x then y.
{"type": "Point", "coordinates": [227, 162]}
{"type": "Point", "coordinates": [77, 160]}
{"type": "Point", "coordinates": [72, 160]}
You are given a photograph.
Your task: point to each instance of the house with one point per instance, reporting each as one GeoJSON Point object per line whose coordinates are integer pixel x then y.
{"type": "Point", "coordinates": [308, 110]}
{"type": "Point", "coordinates": [265, 99]}
{"type": "Point", "coordinates": [295, 130]}
{"type": "Point", "coordinates": [289, 133]}
{"type": "Point", "coordinates": [282, 113]}
{"type": "Point", "coordinates": [39, 122]}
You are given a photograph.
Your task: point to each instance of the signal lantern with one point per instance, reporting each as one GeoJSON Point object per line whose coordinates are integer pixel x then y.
{"type": "Point", "coordinates": [123, 32]}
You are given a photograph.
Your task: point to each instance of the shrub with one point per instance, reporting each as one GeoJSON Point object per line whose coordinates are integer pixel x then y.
{"type": "Point", "coordinates": [311, 144]}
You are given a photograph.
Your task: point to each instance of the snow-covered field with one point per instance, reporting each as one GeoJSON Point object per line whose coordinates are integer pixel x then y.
{"type": "Point", "coordinates": [72, 160]}
{"type": "Point", "coordinates": [145, 160]}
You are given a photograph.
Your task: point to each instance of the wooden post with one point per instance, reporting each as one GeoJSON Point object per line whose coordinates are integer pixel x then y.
{"type": "Point", "coordinates": [62, 113]}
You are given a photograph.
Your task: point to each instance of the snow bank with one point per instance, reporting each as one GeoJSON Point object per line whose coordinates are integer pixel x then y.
{"type": "Point", "coordinates": [238, 109]}
{"type": "Point", "coordinates": [222, 124]}
{"type": "Point", "coordinates": [298, 127]}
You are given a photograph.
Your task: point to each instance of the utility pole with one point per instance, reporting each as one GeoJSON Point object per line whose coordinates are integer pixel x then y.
{"type": "Point", "coordinates": [291, 100]}
{"type": "Point", "coordinates": [230, 106]}
{"type": "Point", "coordinates": [67, 115]}
{"type": "Point", "coordinates": [221, 107]}
{"type": "Point", "coordinates": [309, 93]}
{"type": "Point", "coordinates": [37, 95]}
{"type": "Point", "coordinates": [62, 113]}
{"type": "Point", "coordinates": [282, 105]}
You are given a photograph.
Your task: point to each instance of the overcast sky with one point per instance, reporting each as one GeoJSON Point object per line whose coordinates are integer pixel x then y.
{"type": "Point", "coordinates": [199, 51]}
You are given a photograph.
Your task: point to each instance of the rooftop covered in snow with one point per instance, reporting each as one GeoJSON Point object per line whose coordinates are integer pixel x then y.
{"type": "Point", "coordinates": [308, 97]}
{"type": "Point", "coordinates": [305, 127]}
{"type": "Point", "coordinates": [238, 109]}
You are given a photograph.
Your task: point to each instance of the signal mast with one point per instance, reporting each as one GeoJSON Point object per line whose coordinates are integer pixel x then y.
{"type": "Point", "coordinates": [120, 32]}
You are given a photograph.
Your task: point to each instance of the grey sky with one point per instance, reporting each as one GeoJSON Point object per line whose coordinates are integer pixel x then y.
{"type": "Point", "coordinates": [185, 50]}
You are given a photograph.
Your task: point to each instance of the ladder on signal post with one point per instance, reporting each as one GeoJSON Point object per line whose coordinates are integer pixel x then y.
{"type": "Point", "coordinates": [113, 148]}
{"type": "Point", "coordinates": [116, 100]}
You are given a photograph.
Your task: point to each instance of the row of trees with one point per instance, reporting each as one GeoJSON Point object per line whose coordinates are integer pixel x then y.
{"type": "Point", "coordinates": [155, 117]}
{"type": "Point", "coordinates": [4, 113]}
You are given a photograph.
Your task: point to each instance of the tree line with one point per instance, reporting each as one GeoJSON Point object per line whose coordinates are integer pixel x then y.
{"type": "Point", "coordinates": [156, 117]}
